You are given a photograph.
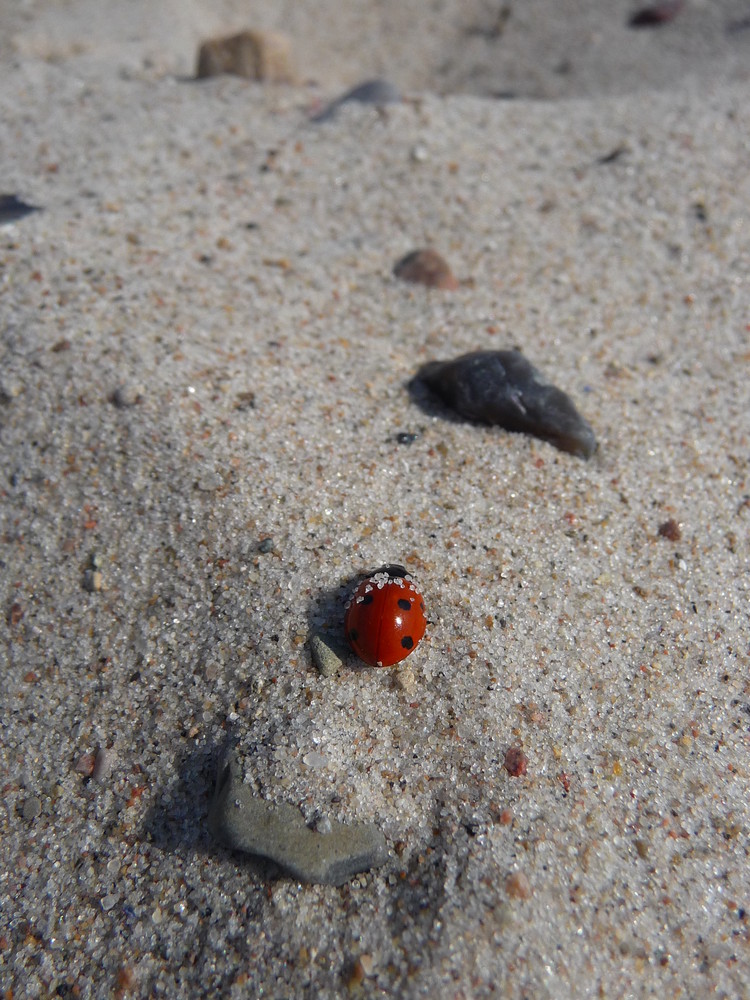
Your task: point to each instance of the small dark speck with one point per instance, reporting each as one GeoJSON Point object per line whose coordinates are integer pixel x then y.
{"type": "Point", "coordinates": [244, 401]}
{"type": "Point", "coordinates": [252, 225]}
{"type": "Point", "coordinates": [266, 545]}
{"type": "Point", "coordinates": [700, 212]}
{"type": "Point", "coordinates": [205, 258]}
{"type": "Point", "coordinates": [613, 156]}
{"type": "Point", "coordinates": [405, 437]}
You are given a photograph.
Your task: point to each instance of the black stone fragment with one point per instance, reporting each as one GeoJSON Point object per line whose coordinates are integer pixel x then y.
{"type": "Point", "coordinates": [502, 387]}
{"type": "Point", "coordinates": [12, 208]}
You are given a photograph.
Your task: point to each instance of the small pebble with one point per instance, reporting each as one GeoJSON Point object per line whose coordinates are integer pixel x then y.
{"type": "Point", "coordinates": [656, 14]}
{"type": "Point", "coordinates": [85, 764]}
{"type": "Point", "coordinates": [93, 580]}
{"type": "Point", "coordinates": [356, 975]}
{"type": "Point", "coordinates": [244, 401]}
{"type": "Point", "coordinates": [105, 760]}
{"type": "Point", "coordinates": [109, 902]}
{"type": "Point", "coordinates": [405, 437]}
{"type": "Point", "coordinates": [321, 823]}
{"type": "Point", "coordinates": [255, 55]}
{"type": "Point", "coordinates": [502, 387]}
{"type": "Point", "coordinates": [406, 679]}
{"type": "Point", "coordinates": [325, 655]}
{"type": "Point", "coordinates": [315, 760]}
{"type": "Point", "coordinates": [371, 92]}
{"type": "Point", "coordinates": [670, 530]}
{"type": "Point", "coordinates": [266, 545]}
{"type": "Point", "coordinates": [518, 886]}
{"type": "Point", "coordinates": [516, 762]}
{"type": "Point", "coordinates": [126, 395]}
{"type": "Point", "coordinates": [426, 267]}
{"type": "Point", "coordinates": [126, 979]}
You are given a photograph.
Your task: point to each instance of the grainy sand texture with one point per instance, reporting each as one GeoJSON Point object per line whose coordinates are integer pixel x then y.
{"type": "Point", "coordinates": [208, 434]}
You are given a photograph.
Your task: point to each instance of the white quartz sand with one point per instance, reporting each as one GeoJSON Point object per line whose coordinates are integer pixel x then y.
{"type": "Point", "coordinates": [203, 347]}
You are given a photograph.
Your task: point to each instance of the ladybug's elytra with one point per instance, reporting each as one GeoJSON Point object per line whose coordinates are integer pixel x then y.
{"type": "Point", "coordinates": [385, 618]}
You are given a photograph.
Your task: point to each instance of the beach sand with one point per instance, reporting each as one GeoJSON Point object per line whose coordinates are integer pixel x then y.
{"type": "Point", "coordinates": [205, 370]}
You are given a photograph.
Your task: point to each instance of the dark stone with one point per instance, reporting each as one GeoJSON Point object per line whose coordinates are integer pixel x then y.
{"type": "Point", "coordinates": [502, 387]}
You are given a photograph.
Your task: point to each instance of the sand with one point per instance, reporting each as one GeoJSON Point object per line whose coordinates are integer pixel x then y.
{"type": "Point", "coordinates": [204, 349]}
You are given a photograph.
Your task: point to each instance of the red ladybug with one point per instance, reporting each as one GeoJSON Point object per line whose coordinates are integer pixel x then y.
{"type": "Point", "coordinates": [385, 617]}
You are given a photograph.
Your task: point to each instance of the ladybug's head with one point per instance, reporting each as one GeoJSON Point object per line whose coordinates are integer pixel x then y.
{"type": "Point", "coordinates": [393, 570]}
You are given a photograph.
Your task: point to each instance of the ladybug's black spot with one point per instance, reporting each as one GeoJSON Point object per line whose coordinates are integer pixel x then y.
{"type": "Point", "coordinates": [407, 642]}
{"type": "Point", "coordinates": [421, 604]}
{"type": "Point", "coordinates": [368, 599]}
{"type": "Point", "coordinates": [404, 604]}
{"type": "Point", "coordinates": [353, 635]}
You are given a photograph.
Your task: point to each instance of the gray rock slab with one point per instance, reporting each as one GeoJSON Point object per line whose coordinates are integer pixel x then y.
{"type": "Point", "coordinates": [245, 822]}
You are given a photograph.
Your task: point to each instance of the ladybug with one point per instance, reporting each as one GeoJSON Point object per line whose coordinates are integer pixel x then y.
{"type": "Point", "coordinates": [385, 617]}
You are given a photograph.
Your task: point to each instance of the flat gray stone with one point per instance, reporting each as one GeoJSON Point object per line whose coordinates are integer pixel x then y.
{"type": "Point", "coordinates": [245, 822]}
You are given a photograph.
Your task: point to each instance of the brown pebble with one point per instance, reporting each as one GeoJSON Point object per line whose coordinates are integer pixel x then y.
{"type": "Point", "coordinates": [125, 980]}
{"type": "Point", "coordinates": [518, 886]}
{"type": "Point", "coordinates": [85, 764]}
{"type": "Point", "coordinates": [356, 975]}
{"type": "Point", "coordinates": [516, 762]}
{"type": "Point", "coordinates": [642, 848]}
{"type": "Point", "coordinates": [255, 55]}
{"type": "Point", "coordinates": [670, 530]}
{"type": "Point", "coordinates": [426, 267]}
{"type": "Point", "coordinates": [15, 614]}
